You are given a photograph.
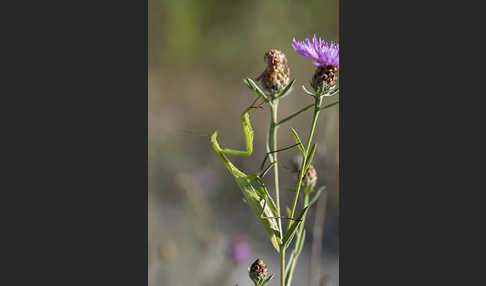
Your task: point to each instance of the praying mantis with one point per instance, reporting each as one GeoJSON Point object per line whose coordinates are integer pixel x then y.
{"type": "Point", "coordinates": [258, 196]}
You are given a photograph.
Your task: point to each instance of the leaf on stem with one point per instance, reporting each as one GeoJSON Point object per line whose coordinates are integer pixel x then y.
{"type": "Point", "coordinates": [307, 91]}
{"type": "Point", "coordinates": [329, 105]}
{"type": "Point", "coordinates": [295, 114]}
{"type": "Point", "coordinates": [289, 235]}
{"type": "Point", "coordinates": [310, 156]}
{"type": "Point", "coordinates": [253, 86]}
{"type": "Point", "coordinates": [332, 94]}
{"type": "Point", "coordinates": [316, 196]}
{"type": "Point", "coordinates": [286, 91]}
{"type": "Point", "coordinates": [266, 280]}
{"type": "Point", "coordinates": [298, 141]}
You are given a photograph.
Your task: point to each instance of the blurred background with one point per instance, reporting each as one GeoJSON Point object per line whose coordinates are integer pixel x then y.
{"type": "Point", "coordinates": [200, 231]}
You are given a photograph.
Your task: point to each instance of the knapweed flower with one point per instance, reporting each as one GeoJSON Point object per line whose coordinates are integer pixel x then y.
{"type": "Point", "coordinates": [276, 75]}
{"type": "Point", "coordinates": [239, 250]}
{"type": "Point", "coordinates": [326, 58]}
{"type": "Point", "coordinates": [258, 270]}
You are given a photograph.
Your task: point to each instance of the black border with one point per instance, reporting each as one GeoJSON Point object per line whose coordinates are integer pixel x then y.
{"type": "Point", "coordinates": [78, 203]}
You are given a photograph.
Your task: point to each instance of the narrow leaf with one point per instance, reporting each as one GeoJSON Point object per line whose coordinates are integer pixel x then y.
{"type": "Point", "coordinates": [253, 86]}
{"type": "Point", "coordinates": [309, 158]}
{"type": "Point", "coordinates": [298, 141]}
{"type": "Point", "coordinates": [301, 243]}
{"type": "Point", "coordinates": [329, 105]}
{"type": "Point", "coordinates": [316, 196]}
{"type": "Point", "coordinates": [288, 211]}
{"type": "Point", "coordinates": [295, 114]}
{"type": "Point", "coordinates": [307, 92]}
{"type": "Point", "coordinates": [332, 94]}
{"type": "Point", "coordinates": [286, 91]}
{"type": "Point", "coordinates": [266, 280]}
{"type": "Point", "coordinates": [289, 235]}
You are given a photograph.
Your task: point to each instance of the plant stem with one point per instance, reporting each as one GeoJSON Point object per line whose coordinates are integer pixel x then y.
{"type": "Point", "coordinates": [318, 101]}
{"type": "Point", "coordinates": [272, 146]}
{"type": "Point", "coordinates": [295, 114]}
{"type": "Point", "coordinates": [297, 242]}
{"type": "Point", "coordinates": [317, 235]}
{"type": "Point", "coordinates": [317, 109]}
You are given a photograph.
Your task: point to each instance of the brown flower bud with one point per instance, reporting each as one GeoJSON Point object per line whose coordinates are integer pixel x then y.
{"type": "Point", "coordinates": [310, 176]}
{"type": "Point", "coordinates": [258, 270]}
{"type": "Point", "coordinates": [325, 76]}
{"type": "Point", "coordinates": [276, 75]}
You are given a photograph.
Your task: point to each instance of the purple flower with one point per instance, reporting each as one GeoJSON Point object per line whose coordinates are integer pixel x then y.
{"type": "Point", "coordinates": [239, 250]}
{"type": "Point", "coordinates": [320, 51]}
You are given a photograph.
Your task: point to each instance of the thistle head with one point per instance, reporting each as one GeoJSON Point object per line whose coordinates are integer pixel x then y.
{"type": "Point", "coordinates": [258, 270]}
{"type": "Point", "coordinates": [276, 75]}
{"type": "Point", "coordinates": [324, 78]}
{"type": "Point", "coordinates": [326, 58]}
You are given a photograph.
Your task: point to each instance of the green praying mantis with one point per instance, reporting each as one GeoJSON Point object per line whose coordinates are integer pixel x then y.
{"type": "Point", "coordinates": [258, 196]}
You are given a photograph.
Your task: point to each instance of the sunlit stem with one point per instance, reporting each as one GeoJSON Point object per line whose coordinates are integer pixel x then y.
{"type": "Point", "coordinates": [317, 109]}
{"type": "Point", "coordinates": [272, 146]}
{"type": "Point", "coordinates": [295, 113]}
{"type": "Point", "coordinates": [298, 235]}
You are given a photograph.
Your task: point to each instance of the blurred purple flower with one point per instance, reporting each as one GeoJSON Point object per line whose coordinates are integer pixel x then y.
{"type": "Point", "coordinates": [319, 50]}
{"type": "Point", "coordinates": [239, 250]}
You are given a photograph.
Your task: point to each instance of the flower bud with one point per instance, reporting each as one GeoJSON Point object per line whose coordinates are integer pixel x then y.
{"type": "Point", "coordinates": [325, 78]}
{"type": "Point", "coordinates": [276, 75]}
{"type": "Point", "coordinates": [310, 176]}
{"type": "Point", "coordinates": [258, 270]}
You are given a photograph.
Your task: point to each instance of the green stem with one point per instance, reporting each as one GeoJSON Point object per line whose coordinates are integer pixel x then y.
{"type": "Point", "coordinates": [272, 145]}
{"type": "Point", "coordinates": [295, 114]}
{"type": "Point", "coordinates": [318, 101]}
{"type": "Point", "coordinates": [295, 255]}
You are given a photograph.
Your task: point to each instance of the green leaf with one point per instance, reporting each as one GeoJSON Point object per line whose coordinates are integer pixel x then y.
{"type": "Point", "coordinates": [332, 94]}
{"type": "Point", "coordinates": [309, 158]}
{"type": "Point", "coordinates": [289, 235]}
{"type": "Point", "coordinates": [288, 211]}
{"type": "Point", "coordinates": [329, 105]}
{"type": "Point", "coordinates": [301, 243]}
{"type": "Point", "coordinates": [253, 86]}
{"type": "Point", "coordinates": [295, 114]}
{"type": "Point", "coordinates": [307, 91]}
{"type": "Point", "coordinates": [316, 196]}
{"type": "Point", "coordinates": [266, 280]}
{"type": "Point", "coordinates": [286, 91]}
{"type": "Point", "coordinates": [298, 141]}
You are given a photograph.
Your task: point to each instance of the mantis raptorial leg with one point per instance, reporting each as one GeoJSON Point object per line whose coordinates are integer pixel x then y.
{"type": "Point", "coordinates": [253, 195]}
